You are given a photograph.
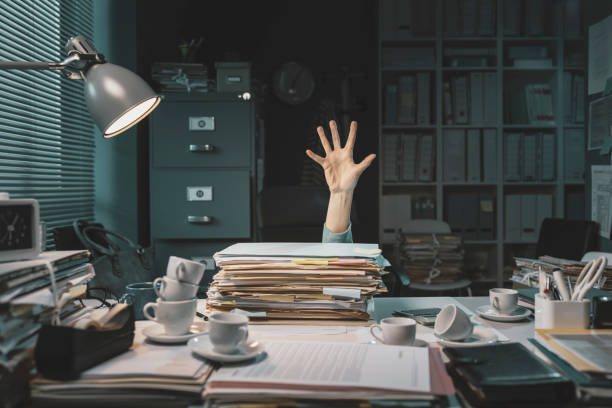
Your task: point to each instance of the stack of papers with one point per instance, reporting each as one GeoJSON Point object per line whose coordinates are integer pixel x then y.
{"type": "Point", "coordinates": [526, 270]}
{"type": "Point", "coordinates": [434, 258]}
{"type": "Point", "coordinates": [155, 375]}
{"type": "Point", "coordinates": [180, 77]}
{"type": "Point", "coordinates": [297, 280]}
{"type": "Point", "coordinates": [333, 371]}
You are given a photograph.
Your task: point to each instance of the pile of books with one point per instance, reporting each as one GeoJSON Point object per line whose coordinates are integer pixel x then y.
{"type": "Point", "coordinates": [180, 77]}
{"type": "Point", "coordinates": [26, 302]}
{"type": "Point", "coordinates": [432, 258]}
{"type": "Point", "coordinates": [297, 280]}
{"type": "Point", "coordinates": [526, 271]}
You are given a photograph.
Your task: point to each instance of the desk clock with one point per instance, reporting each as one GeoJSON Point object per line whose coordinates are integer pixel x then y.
{"type": "Point", "coordinates": [19, 228]}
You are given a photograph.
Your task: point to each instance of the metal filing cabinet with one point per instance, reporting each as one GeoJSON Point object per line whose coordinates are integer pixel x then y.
{"type": "Point", "coordinates": [202, 174]}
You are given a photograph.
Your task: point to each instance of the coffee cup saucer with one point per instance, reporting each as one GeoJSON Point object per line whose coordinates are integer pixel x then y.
{"type": "Point", "coordinates": [480, 337]}
{"type": "Point", "coordinates": [417, 343]}
{"type": "Point", "coordinates": [156, 333]}
{"type": "Point", "coordinates": [489, 312]}
{"type": "Point", "coordinates": [202, 346]}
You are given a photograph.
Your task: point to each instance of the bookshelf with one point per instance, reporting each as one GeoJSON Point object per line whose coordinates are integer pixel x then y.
{"type": "Point", "coordinates": [490, 249]}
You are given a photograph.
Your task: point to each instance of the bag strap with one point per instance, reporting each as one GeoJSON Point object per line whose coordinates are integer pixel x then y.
{"type": "Point", "coordinates": [107, 251]}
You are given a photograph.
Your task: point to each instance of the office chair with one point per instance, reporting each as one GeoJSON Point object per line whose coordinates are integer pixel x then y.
{"type": "Point", "coordinates": [568, 239]}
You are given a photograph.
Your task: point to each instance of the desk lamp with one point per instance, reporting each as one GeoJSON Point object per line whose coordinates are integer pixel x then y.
{"type": "Point", "coordinates": [116, 97]}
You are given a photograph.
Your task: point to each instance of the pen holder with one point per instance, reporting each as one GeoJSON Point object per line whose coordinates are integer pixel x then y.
{"type": "Point", "coordinates": [561, 314]}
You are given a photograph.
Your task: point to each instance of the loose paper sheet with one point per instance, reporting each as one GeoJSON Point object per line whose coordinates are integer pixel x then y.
{"type": "Point", "coordinates": [600, 57]}
{"type": "Point", "coordinates": [600, 120]}
{"type": "Point", "coordinates": [601, 198]}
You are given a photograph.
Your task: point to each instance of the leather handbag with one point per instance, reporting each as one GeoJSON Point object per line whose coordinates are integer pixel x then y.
{"type": "Point", "coordinates": [116, 265]}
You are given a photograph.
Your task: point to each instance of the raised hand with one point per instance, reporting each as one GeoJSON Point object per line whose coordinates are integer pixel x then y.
{"type": "Point", "coordinates": [341, 173]}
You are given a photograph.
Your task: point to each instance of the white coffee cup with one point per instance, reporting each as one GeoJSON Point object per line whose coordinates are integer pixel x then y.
{"type": "Point", "coordinates": [176, 317]}
{"type": "Point", "coordinates": [227, 331]}
{"type": "Point", "coordinates": [503, 300]}
{"type": "Point", "coordinates": [400, 331]}
{"type": "Point", "coordinates": [184, 270]}
{"type": "Point", "coordinates": [173, 290]}
{"type": "Point", "coordinates": [452, 323]}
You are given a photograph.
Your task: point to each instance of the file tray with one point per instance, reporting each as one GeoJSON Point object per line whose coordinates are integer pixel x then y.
{"type": "Point", "coordinates": [62, 353]}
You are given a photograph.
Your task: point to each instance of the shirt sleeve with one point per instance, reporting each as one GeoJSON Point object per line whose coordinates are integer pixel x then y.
{"type": "Point", "coordinates": [346, 236]}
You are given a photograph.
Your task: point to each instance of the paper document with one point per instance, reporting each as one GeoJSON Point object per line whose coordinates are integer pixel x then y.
{"type": "Point", "coordinates": [600, 57]}
{"type": "Point", "coordinates": [601, 198]}
{"type": "Point", "coordinates": [328, 365]}
{"type": "Point", "coordinates": [300, 249]}
{"type": "Point", "coordinates": [596, 349]}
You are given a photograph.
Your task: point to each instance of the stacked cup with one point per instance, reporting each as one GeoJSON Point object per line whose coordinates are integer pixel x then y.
{"type": "Point", "coordinates": [176, 304]}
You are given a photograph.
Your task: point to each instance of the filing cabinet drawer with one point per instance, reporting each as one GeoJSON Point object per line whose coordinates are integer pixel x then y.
{"type": "Point", "coordinates": [201, 134]}
{"type": "Point", "coordinates": [191, 204]}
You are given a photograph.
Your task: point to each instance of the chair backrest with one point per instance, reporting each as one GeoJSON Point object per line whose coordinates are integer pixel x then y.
{"type": "Point", "coordinates": [569, 239]}
{"type": "Point", "coordinates": [426, 226]}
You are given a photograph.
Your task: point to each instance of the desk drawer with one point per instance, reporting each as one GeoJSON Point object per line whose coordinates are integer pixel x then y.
{"type": "Point", "coordinates": [201, 134]}
{"type": "Point", "coordinates": [188, 203]}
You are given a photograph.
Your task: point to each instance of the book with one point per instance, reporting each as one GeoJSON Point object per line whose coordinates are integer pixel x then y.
{"type": "Point", "coordinates": [512, 156]}
{"type": "Point", "coordinates": [390, 104]}
{"type": "Point", "coordinates": [454, 155]}
{"type": "Point", "coordinates": [473, 156]}
{"type": "Point", "coordinates": [568, 95]}
{"type": "Point", "coordinates": [423, 98]}
{"type": "Point", "coordinates": [574, 155]}
{"type": "Point", "coordinates": [391, 145]}
{"type": "Point", "coordinates": [486, 17]}
{"type": "Point", "coordinates": [409, 157]}
{"type": "Point", "coordinates": [578, 97]}
{"type": "Point", "coordinates": [512, 17]}
{"type": "Point", "coordinates": [547, 156]}
{"type": "Point", "coordinates": [489, 155]}
{"type": "Point", "coordinates": [476, 98]}
{"type": "Point", "coordinates": [490, 98]}
{"type": "Point", "coordinates": [426, 159]}
{"type": "Point", "coordinates": [529, 155]}
{"type": "Point", "coordinates": [447, 104]}
{"type": "Point", "coordinates": [460, 99]}
{"type": "Point", "coordinates": [407, 99]}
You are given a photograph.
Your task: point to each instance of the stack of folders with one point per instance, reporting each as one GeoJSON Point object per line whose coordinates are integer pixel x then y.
{"type": "Point", "coordinates": [26, 301]}
{"type": "Point", "coordinates": [433, 258]}
{"type": "Point", "coordinates": [147, 375]}
{"type": "Point", "coordinates": [297, 280]}
{"type": "Point", "coordinates": [583, 356]}
{"type": "Point", "coordinates": [332, 372]}
{"type": "Point", "coordinates": [526, 270]}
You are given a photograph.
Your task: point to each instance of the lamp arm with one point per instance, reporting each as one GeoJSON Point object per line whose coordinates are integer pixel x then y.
{"type": "Point", "coordinates": [23, 65]}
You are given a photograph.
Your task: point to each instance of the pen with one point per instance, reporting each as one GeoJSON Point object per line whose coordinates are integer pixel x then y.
{"type": "Point", "coordinates": [563, 291]}
{"type": "Point", "coordinates": [541, 280]}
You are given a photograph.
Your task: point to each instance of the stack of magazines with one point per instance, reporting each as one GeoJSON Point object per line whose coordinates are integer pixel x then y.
{"type": "Point", "coordinates": [180, 77]}
{"type": "Point", "coordinates": [297, 280]}
{"type": "Point", "coordinates": [526, 271]}
{"type": "Point", "coordinates": [26, 302]}
{"type": "Point", "coordinates": [431, 258]}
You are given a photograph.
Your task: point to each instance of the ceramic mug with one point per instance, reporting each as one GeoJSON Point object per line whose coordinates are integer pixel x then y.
{"type": "Point", "coordinates": [173, 290]}
{"type": "Point", "coordinates": [453, 324]}
{"type": "Point", "coordinates": [138, 295]}
{"type": "Point", "coordinates": [176, 317]}
{"type": "Point", "coordinates": [227, 331]}
{"type": "Point", "coordinates": [503, 300]}
{"type": "Point", "coordinates": [184, 270]}
{"type": "Point", "coordinates": [400, 331]}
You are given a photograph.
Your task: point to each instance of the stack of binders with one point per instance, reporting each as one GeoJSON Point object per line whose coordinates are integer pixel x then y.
{"type": "Point", "coordinates": [297, 280]}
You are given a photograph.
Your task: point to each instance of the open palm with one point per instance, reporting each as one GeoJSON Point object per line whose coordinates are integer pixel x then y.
{"type": "Point", "coordinates": [341, 173]}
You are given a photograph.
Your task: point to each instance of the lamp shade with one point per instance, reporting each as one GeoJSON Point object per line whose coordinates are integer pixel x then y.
{"type": "Point", "coordinates": [117, 98]}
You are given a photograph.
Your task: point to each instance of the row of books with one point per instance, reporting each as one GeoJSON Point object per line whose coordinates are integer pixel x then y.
{"type": "Point", "coordinates": [524, 214]}
{"type": "Point", "coordinates": [470, 155]}
{"type": "Point", "coordinates": [408, 157]}
{"type": "Point", "coordinates": [297, 281]}
{"type": "Point", "coordinates": [530, 104]}
{"type": "Point", "coordinates": [408, 100]}
{"type": "Point", "coordinates": [471, 214]}
{"type": "Point", "coordinates": [469, 18]}
{"type": "Point", "coordinates": [531, 156]}
{"type": "Point", "coordinates": [470, 99]}
{"type": "Point", "coordinates": [573, 97]}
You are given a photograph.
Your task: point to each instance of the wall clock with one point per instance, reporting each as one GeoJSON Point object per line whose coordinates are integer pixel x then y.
{"type": "Point", "coordinates": [293, 83]}
{"type": "Point", "coordinates": [19, 229]}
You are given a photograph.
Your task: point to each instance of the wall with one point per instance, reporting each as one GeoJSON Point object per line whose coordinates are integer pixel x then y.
{"type": "Point", "coordinates": [116, 175]}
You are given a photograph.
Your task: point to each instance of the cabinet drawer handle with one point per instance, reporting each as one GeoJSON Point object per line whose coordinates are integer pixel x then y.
{"type": "Point", "coordinates": [197, 219]}
{"type": "Point", "coordinates": [201, 148]}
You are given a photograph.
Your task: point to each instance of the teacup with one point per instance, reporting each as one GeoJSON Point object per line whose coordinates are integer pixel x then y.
{"type": "Point", "coordinates": [227, 331]}
{"type": "Point", "coordinates": [176, 317]}
{"type": "Point", "coordinates": [173, 290]}
{"type": "Point", "coordinates": [503, 300]}
{"type": "Point", "coordinates": [395, 331]}
{"type": "Point", "coordinates": [138, 294]}
{"type": "Point", "coordinates": [453, 324]}
{"type": "Point", "coordinates": [184, 270]}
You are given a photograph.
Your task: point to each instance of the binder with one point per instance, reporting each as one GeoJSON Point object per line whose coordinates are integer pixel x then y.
{"type": "Point", "coordinates": [469, 18]}
{"type": "Point", "coordinates": [486, 213]}
{"type": "Point", "coordinates": [409, 157]}
{"type": "Point", "coordinates": [547, 160]}
{"type": "Point", "coordinates": [574, 155]}
{"type": "Point", "coordinates": [486, 17]}
{"type": "Point", "coordinates": [572, 18]}
{"type": "Point", "coordinates": [448, 106]}
{"type": "Point", "coordinates": [529, 227]}
{"type": "Point", "coordinates": [391, 104]}
{"type": "Point", "coordinates": [568, 101]}
{"type": "Point", "coordinates": [489, 155]}
{"type": "Point", "coordinates": [544, 210]}
{"type": "Point", "coordinates": [407, 99]}
{"type": "Point", "coordinates": [451, 17]}
{"type": "Point", "coordinates": [536, 12]}
{"type": "Point", "coordinates": [390, 161]}
{"type": "Point", "coordinates": [454, 155]}
{"type": "Point", "coordinates": [456, 203]}
{"type": "Point", "coordinates": [490, 98]}
{"type": "Point", "coordinates": [578, 97]}
{"type": "Point", "coordinates": [512, 17]}
{"type": "Point", "coordinates": [473, 156]}
{"type": "Point", "coordinates": [512, 157]}
{"type": "Point", "coordinates": [471, 212]}
{"type": "Point", "coordinates": [426, 160]}
{"type": "Point", "coordinates": [460, 102]}
{"type": "Point", "coordinates": [529, 156]}
{"type": "Point", "coordinates": [423, 98]}
{"type": "Point", "coordinates": [476, 98]}
{"type": "Point", "coordinates": [512, 218]}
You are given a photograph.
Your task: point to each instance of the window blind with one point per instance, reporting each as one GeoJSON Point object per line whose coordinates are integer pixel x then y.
{"type": "Point", "coordinates": [46, 132]}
